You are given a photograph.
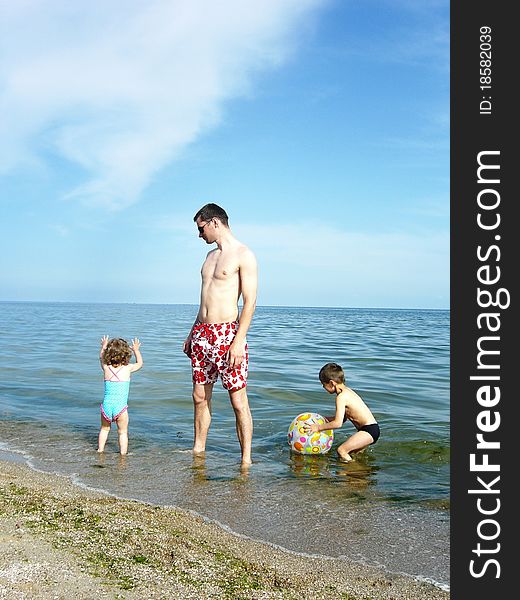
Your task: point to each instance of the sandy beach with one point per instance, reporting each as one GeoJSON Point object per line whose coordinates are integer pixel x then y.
{"type": "Point", "coordinates": [59, 540]}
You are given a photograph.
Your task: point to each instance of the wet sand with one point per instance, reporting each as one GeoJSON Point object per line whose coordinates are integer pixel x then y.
{"type": "Point", "coordinates": [59, 540]}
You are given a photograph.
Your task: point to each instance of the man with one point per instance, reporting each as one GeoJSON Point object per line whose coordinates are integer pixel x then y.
{"type": "Point", "coordinates": [217, 342]}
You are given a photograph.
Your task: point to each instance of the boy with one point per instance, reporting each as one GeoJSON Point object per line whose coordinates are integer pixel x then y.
{"type": "Point", "coordinates": [348, 406]}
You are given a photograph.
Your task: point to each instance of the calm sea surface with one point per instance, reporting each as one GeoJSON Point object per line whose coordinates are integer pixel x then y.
{"type": "Point", "coordinates": [390, 508]}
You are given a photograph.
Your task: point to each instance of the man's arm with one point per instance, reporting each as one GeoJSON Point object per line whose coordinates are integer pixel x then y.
{"type": "Point", "coordinates": [248, 283]}
{"type": "Point", "coordinates": [186, 345]}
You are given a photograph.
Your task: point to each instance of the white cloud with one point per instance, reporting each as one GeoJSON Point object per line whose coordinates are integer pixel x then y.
{"type": "Point", "coordinates": [310, 263]}
{"type": "Point", "coordinates": [121, 87]}
{"type": "Point", "coordinates": [306, 262]}
{"type": "Point", "coordinates": [60, 230]}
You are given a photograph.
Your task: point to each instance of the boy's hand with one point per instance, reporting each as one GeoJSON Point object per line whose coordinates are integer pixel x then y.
{"type": "Point", "coordinates": [136, 344]}
{"type": "Point", "coordinates": [310, 428]}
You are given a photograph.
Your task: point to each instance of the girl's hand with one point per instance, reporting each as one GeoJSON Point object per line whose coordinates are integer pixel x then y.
{"type": "Point", "coordinates": [136, 344]}
{"type": "Point", "coordinates": [104, 341]}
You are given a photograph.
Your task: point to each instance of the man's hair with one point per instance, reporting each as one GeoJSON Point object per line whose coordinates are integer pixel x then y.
{"type": "Point", "coordinates": [117, 353]}
{"type": "Point", "coordinates": [211, 211]}
{"type": "Point", "coordinates": [332, 372]}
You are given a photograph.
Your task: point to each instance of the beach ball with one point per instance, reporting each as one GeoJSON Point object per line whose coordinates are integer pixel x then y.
{"type": "Point", "coordinates": [315, 443]}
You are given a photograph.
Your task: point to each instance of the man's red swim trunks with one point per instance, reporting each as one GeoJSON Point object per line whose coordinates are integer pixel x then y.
{"type": "Point", "coordinates": [209, 345]}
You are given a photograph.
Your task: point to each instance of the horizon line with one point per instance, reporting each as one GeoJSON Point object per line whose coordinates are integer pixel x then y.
{"type": "Point", "coordinates": [192, 304]}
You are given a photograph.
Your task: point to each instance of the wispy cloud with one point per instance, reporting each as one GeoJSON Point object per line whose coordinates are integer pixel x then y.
{"type": "Point", "coordinates": [60, 230]}
{"type": "Point", "coordinates": [313, 263]}
{"type": "Point", "coordinates": [304, 257]}
{"type": "Point", "coordinates": [309, 244]}
{"type": "Point", "coordinates": [120, 88]}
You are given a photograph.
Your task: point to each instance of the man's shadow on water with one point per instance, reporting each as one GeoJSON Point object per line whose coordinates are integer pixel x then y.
{"type": "Point", "coordinates": [201, 472]}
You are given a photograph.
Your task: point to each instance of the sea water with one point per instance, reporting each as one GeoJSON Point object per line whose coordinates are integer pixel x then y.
{"type": "Point", "coordinates": [388, 508]}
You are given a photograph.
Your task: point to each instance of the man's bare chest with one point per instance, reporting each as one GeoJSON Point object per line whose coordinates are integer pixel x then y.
{"type": "Point", "coordinates": [220, 268]}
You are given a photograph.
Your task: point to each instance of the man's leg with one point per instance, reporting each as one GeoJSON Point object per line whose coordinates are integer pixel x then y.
{"type": "Point", "coordinates": [244, 422]}
{"type": "Point", "coordinates": [202, 415]}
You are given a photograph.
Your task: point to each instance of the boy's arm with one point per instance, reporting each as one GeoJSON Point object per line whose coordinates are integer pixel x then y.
{"type": "Point", "coordinates": [335, 423]}
{"type": "Point", "coordinates": [138, 358]}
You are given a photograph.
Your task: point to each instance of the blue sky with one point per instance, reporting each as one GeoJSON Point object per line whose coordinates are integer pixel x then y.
{"type": "Point", "coordinates": [321, 126]}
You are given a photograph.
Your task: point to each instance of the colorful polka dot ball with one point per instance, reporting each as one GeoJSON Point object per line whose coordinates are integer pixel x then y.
{"type": "Point", "coordinates": [314, 443]}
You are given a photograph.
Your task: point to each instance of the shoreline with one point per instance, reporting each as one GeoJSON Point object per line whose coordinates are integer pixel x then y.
{"type": "Point", "coordinates": [63, 540]}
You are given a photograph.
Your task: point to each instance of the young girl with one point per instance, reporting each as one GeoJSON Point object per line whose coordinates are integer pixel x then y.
{"type": "Point", "coordinates": [115, 358]}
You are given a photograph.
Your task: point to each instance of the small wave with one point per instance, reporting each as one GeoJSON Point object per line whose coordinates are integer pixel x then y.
{"type": "Point", "coordinates": [76, 480]}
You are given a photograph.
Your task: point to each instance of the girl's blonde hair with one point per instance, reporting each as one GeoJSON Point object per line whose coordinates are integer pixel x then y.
{"type": "Point", "coordinates": [117, 352]}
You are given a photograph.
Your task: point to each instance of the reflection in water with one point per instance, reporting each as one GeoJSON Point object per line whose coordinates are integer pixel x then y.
{"type": "Point", "coordinates": [244, 471]}
{"type": "Point", "coordinates": [211, 489]}
{"type": "Point", "coordinates": [198, 468]}
{"type": "Point", "coordinates": [358, 474]}
{"type": "Point", "coordinates": [101, 460]}
{"type": "Point", "coordinates": [313, 466]}
{"type": "Point", "coordinates": [199, 471]}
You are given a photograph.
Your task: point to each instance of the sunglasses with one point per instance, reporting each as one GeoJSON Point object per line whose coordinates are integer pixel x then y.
{"type": "Point", "coordinates": [201, 229]}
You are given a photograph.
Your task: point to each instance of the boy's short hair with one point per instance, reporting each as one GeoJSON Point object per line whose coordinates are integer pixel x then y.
{"type": "Point", "coordinates": [212, 211]}
{"type": "Point", "coordinates": [332, 372]}
{"type": "Point", "coordinates": [117, 352]}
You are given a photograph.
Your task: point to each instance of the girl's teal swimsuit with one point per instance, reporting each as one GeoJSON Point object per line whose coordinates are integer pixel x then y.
{"type": "Point", "coordinates": [115, 401]}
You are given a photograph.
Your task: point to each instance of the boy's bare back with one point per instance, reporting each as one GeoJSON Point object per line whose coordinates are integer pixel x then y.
{"type": "Point", "coordinates": [354, 408]}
